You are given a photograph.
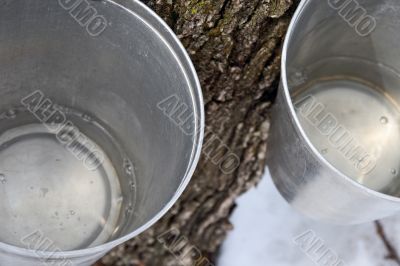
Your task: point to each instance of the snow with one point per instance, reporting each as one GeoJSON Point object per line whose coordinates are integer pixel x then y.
{"type": "Point", "coordinates": [266, 228]}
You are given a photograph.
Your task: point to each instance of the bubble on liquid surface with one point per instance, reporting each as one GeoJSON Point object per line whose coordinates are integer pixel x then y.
{"type": "Point", "coordinates": [393, 171]}
{"type": "Point", "coordinates": [384, 120]}
{"type": "Point", "coordinates": [3, 179]}
{"type": "Point", "coordinates": [324, 151]}
{"type": "Point", "coordinates": [128, 166]}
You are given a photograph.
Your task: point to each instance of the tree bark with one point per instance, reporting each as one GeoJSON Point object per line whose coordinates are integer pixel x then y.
{"type": "Point", "coordinates": [235, 46]}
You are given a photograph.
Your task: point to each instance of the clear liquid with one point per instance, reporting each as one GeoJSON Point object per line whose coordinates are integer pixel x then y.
{"type": "Point", "coordinates": [49, 199]}
{"type": "Point", "coordinates": [354, 123]}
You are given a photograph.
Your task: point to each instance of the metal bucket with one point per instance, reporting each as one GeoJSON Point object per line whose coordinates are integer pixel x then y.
{"type": "Point", "coordinates": [335, 132]}
{"type": "Point", "coordinates": [101, 120]}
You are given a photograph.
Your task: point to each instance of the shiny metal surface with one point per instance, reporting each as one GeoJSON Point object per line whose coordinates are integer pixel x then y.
{"type": "Point", "coordinates": [336, 125]}
{"type": "Point", "coordinates": [108, 70]}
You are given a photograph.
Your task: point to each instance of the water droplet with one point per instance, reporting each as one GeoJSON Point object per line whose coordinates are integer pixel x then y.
{"type": "Point", "coordinates": [129, 210]}
{"type": "Point", "coordinates": [10, 114]}
{"type": "Point", "coordinates": [393, 171]}
{"type": "Point", "coordinates": [384, 120]}
{"type": "Point", "coordinates": [87, 118]}
{"type": "Point", "coordinates": [324, 151]}
{"type": "Point", "coordinates": [128, 166]}
{"type": "Point", "coordinates": [3, 179]}
{"type": "Point", "coordinates": [132, 185]}
{"type": "Point", "coordinates": [72, 212]}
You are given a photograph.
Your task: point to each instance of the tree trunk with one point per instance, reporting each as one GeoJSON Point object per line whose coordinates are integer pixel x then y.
{"type": "Point", "coordinates": [235, 46]}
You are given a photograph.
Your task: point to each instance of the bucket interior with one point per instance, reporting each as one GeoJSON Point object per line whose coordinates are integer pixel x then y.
{"type": "Point", "coordinates": [343, 77]}
{"type": "Point", "coordinates": [117, 88]}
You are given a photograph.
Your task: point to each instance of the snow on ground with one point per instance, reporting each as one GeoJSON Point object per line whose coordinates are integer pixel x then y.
{"type": "Point", "coordinates": [266, 228]}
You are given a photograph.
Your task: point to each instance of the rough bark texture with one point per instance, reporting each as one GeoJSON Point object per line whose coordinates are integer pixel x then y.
{"type": "Point", "coordinates": [235, 46]}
